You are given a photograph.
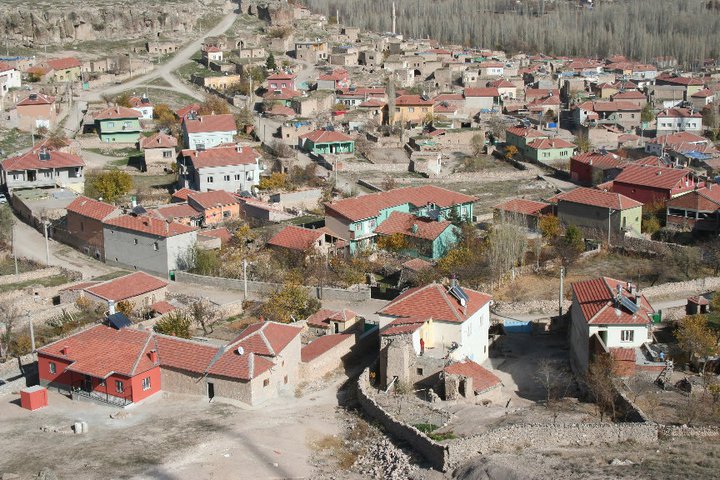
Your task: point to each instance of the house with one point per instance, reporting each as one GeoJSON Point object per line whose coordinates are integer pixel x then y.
{"type": "Point", "coordinates": [36, 111]}
{"type": "Point", "coordinates": [124, 366]}
{"type": "Point", "coordinates": [179, 212]}
{"type": "Point", "coordinates": [149, 244]}
{"type": "Point", "coordinates": [207, 131]}
{"type": "Point", "coordinates": [522, 212]}
{"type": "Point", "coordinates": [480, 99]}
{"type": "Point", "coordinates": [280, 81]}
{"type": "Point", "coordinates": [84, 223]}
{"type": "Point", "coordinates": [632, 96]}
{"type": "Point", "coordinates": [230, 168]}
{"type": "Point", "coordinates": [139, 289]}
{"type": "Point", "coordinates": [311, 51]}
{"type": "Point", "coordinates": [9, 78]}
{"type": "Point", "coordinates": [411, 110]}
{"type": "Point", "coordinates": [217, 206]}
{"type": "Point", "coordinates": [592, 168]}
{"type": "Point", "coordinates": [65, 69]}
{"type": "Point", "coordinates": [329, 322]}
{"type": "Point", "coordinates": [491, 69]}
{"type": "Point", "coordinates": [548, 150]}
{"type": "Point", "coordinates": [596, 210]}
{"type": "Point", "coordinates": [143, 106]}
{"type": "Point", "coordinates": [423, 237]}
{"type": "Point", "coordinates": [684, 149]}
{"type": "Point", "coordinates": [606, 314]}
{"type": "Point", "coordinates": [283, 97]}
{"type": "Point", "coordinates": [698, 210]}
{"type": "Point", "coordinates": [43, 167]}
{"type": "Point", "coordinates": [679, 120]}
{"type": "Point", "coordinates": [452, 320]}
{"type": "Point", "coordinates": [119, 367]}
{"type": "Point", "coordinates": [326, 141]}
{"type": "Point", "coordinates": [468, 379]}
{"type": "Point", "coordinates": [306, 241]}
{"type": "Point", "coordinates": [623, 113]}
{"type": "Point", "coordinates": [335, 80]}
{"type": "Point", "coordinates": [702, 98]}
{"type": "Point", "coordinates": [506, 89]}
{"type": "Point", "coordinates": [520, 137]}
{"type": "Point", "coordinates": [355, 219]}
{"type": "Point", "coordinates": [211, 54]}
{"type": "Point", "coordinates": [650, 184]}
{"type": "Point", "coordinates": [689, 85]}
{"type": "Point", "coordinates": [158, 149]}
{"type": "Point", "coordinates": [118, 125]}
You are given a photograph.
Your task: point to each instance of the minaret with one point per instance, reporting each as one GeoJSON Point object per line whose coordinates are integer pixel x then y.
{"type": "Point", "coordinates": [393, 19]}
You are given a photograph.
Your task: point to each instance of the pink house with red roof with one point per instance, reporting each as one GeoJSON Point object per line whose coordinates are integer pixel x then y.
{"type": "Point", "coordinates": [609, 314]}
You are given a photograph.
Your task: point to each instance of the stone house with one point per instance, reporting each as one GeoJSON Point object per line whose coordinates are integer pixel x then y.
{"type": "Point", "coordinates": [315, 103]}
{"type": "Point", "coordinates": [609, 313]}
{"type": "Point", "coordinates": [142, 242]}
{"type": "Point", "coordinates": [64, 69]}
{"type": "Point", "coordinates": [626, 114]}
{"type": "Point", "coordinates": [522, 212]}
{"type": "Point", "coordinates": [158, 149]}
{"type": "Point", "coordinates": [84, 223]}
{"type": "Point", "coordinates": [596, 210]}
{"type": "Point", "coordinates": [162, 47]}
{"type": "Point", "coordinates": [697, 211]}
{"type": "Point", "coordinates": [202, 132]}
{"type": "Point", "coordinates": [480, 99]}
{"type": "Point", "coordinates": [10, 77]}
{"type": "Point", "coordinates": [35, 111]}
{"type": "Point", "coordinates": [232, 168]}
{"type": "Point", "coordinates": [42, 167]}
{"type": "Point", "coordinates": [139, 289]}
{"type": "Point", "coordinates": [306, 241]}
{"type": "Point", "coordinates": [311, 51]}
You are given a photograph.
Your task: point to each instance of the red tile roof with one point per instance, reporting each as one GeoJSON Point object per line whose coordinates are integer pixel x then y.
{"type": "Point", "coordinates": [222, 156]}
{"type": "Point", "coordinates": [367, 206]}
{"type": "Point", "coordinates": [687, 81]}
{"type": "Point", "coordinates": [599, 160]}
{"type": "Point", "coordinates": [117, 113]}
{"type": "Point", "coordinates": [532, 93]}
{"type": "Point", "coordinates": [139, 102]}
{"type": "Point", "coordinates": [175, 210]}
{"type": "Point", "coordinates": [162, 307]}
{"type": "Point", "coordinates": [703, 199]}
{"type": "Point", "coordinates": [158, 140]}
{"type": "Point", "coordinates": [549, 143]}
{"type": "Point", "coordinates": [326, 136]}
{"type": "Point", "coordinates": [182, 354]}
{"type": "Point", "coordinates": [4, 67]}
{"type": "Point", "coordinates": [322, 317]}
{"type": "Point", "coordinates": [655, 177]}
{"type": "Point", "coordinates": [183, 112]}
{"type": "Point", "coordinates": [210, 123]}
{"type": "Point", "coordinates": [525, 132]}
{"type": "Point", "coordinates": [101, 351]}
{"type": "Point", "coordinates": [617, 106]}
{"type": "Point", "coordinates": [63, 63]}
{"type": "Point", "coordinates": [127, 286]}
{"type": "Point", "coordinates": [597, 198]}
{"type": "Point", "coordinates": [404, 326]}
{"type": "Point", "coordinates": [481, 92]}
{"type": "Point", "coordinates": [525, 207]}
{"type": "Point", "coordinates": [412, 226]}
{"type": "Point", "coordinates": [630, 95]}
{"type": "Point", "coordinates": [87, 207]}
{"type": "Point", "coordinates": [36, 99]}
{"type": "Point", "coordinates": [323, 344]}
{"type": "Point", "coordinates": [281, 76]}
{"type": "Point", "coordinates": [678, 138]}
{"type": "Point", "coordinates": [483, 379]}
{"type": "Point", "coordinates": [31, 160]}
{"type": "Point", "coordinates": [679, 113]}
{"type": "Point", "coordinates": [149, 225]}
{"type": "Point", "coordinates": [596, 299]}
{"type": "Point", "coordinates": [417, 264]}
{"type": "Point", "coordinates": [296, 238]}
{"type": "Point", "coordinates": [212, 199]}
{"type": "Point", "coordinates": [434, 301]}
{"type": "Point", "coordinates": [412, 100]}
{"type": "Point", "coordinates": [281, 110]}
{"type": "Point", "coordinates": [222, 233]}
{"type": "Point", "coordinates": [183, 193]}
{"type": "Point", "coordinates": [282, 94]}
{"type": "Point", "coordinates": [704, 93]}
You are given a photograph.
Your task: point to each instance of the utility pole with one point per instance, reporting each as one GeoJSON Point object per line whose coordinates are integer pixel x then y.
{"type": "Point", "coordinates": [393, 18]}
{"type": "Point", "coordinates": [245, 279]}
{"type": "Point", "coordinates": [560, 298]}
{"type": "Point", "coordinates": [610, 212]}
{"type": "Point", "coordinates": [32, 334]}
{"type": "Point", "coordinates": [47, 244]}
{"type": "Point", "coordinates": [14, 251]}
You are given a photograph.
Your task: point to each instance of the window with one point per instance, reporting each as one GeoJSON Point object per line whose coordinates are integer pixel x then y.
{"type": "Point", "coordinates": [135, 240]}
{"type": "Point", "coordinates": [249, 176]}
{"type": "Point", "coordinates": [419, 371]}
{"type": "Point", "coordinates": [266, 382]}
{"type": "Point", "coordinates": [111, 124]}
{"type": "Point", "coordinates": [210, 179]}
{"type": "Point", "coordinates": [167, 154]}
{"type": "Point", "coordinates": [119, 387]}
{"type": "Point", "coordinates": [237, 177]}
{"type": "Point", "coordinates": [155, 246]}
{"type": "Point", "coordinates": [52, 367]}
{"type": "Point", "coordinates": [146, 383]}
{"type": "Point", "coordinates": [226, 178]}
{"type": "Point", "coordinates": [82, 226]}
{"type": "Point", "coordinates": [627, 335]}
{"type": "Point", "coordinates": [411, 109]}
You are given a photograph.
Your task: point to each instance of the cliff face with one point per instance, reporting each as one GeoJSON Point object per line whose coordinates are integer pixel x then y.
{"type": "Point", "coordinates": [67, 21]}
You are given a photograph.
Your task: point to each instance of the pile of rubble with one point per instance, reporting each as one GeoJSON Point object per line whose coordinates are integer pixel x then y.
{"type": "Point", "coordinates": [382, 459]}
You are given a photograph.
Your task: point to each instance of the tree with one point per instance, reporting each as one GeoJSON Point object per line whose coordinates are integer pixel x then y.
{"type": "Point", "coordinates": [650, 224]}
{"type": "Point", "coordinates": [477, 143]}
{"type": "Point", "coordinates": [599, 381]}
{"type": "Point", "coordinates": [550, 226]}
{"type": "Point", "coordinates": [396, 242]}
{"type": "Point", "coordinates": [7, 220]}
{"type": "Point", "coordinates": [270, 64]}
{"type": "Point", "coordinates": [583, 143]}
{"type": "Point", "coordinates": [363, 146]}
{"type": "Point", "coordinates": [206, 262]}
{"type": "Point", "coordinates": [10, 314]}
{"type": "Point", "coordinates": [109, 186]}
{"type": "Point", "coordinates": [243, 118]}
{"type": "Point", "coordinates": [496, 127]}
{"type": "Point", "coordinates": [292, 302]}
{"type": "Point", "coordinates": [550, 116]}
{"type": "Point", "coordinates": [165, 117]}
{"type": "Point", "coordinates": [646, 114]}
{"type": "Point", "coordinates": [506, 248]}
{"type": "Point", "coordinates": [123, 100]}
{"type": "Point", "coordinates": [213, 105]}
{"type": "Point", "coordinates": [510, 152]}
{"type": "Point", "coordinates": [125, 307]}
{"type": "Point", "coordinates": [695, 337]}
{"type": "Point", "coordinates": [276, 181]}
{"type": "Point", "coordinates": [551, 377]}
{"type": "Point", "coordinates": [388, 183]}
{"type": "Point", "coordinates": [204, 315]}
{"type": "Point", "coordinates": [571, 245]}
{"type": "Point", "coordinates": [176, 324]}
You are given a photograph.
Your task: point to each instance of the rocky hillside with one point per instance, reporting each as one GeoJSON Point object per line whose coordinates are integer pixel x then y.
{"type": "Point", "coordinates": [56, 22]}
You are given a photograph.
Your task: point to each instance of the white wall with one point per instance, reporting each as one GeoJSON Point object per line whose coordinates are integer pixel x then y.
{"type": "Point", "coordinates": [613, 335]}
{"type": "Point", "coordinates": [209, 139]}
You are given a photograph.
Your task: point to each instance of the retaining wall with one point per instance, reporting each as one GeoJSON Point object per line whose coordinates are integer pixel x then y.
{"type": "Point", "coordinates": [355, 294]}
{"type": "Point", "coordinates": [33, 275]}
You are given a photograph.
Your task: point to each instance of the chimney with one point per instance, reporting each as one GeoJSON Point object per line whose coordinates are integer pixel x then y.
{"type": "Point", "coordinates": [65, 350]}
{"type": "Point", "coordinates": [152, 354]}
{"type": "Point", "coordinates": [111, 308]}
{"type": "Point", "coordinates": [167, 226]}
{"type": "Point", "coordinates": [637, 298]}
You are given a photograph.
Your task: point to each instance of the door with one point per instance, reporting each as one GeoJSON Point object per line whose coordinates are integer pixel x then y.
{"type": "Point", "coordinates": [211, 390]}
{"type": "Point", "coordinates": [87, 383]}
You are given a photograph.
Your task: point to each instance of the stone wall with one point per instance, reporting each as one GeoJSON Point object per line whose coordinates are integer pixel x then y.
{"type": "Point", "coordinates": [353, 294]}
{"type": "Point", "coordinates": [435, 453]}
{"type": "Point", "coordinates": [643, 245]}
{"type": "Point", "coordinates": [33, 275]}
{"type": "Point", "coordinates": [327, 361]}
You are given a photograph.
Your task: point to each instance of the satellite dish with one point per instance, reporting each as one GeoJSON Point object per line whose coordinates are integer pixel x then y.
{"type": "Point", "coordinates": [240, 350]}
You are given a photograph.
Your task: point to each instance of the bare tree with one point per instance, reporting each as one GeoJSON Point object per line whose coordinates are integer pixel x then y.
{"type": "Point", "coordinates": [10, 314]}
{"type": "Point", "coordinates": [599, 381]}
{"type": "Point", "coordinates": [506, 248]}
{"type": "Point", "coordinates": [553, 379]}
{"type": "Point", "coordinates": [204, 315]}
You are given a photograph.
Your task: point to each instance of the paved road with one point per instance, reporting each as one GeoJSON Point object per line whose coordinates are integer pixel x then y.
{"type": "Point", "coordinates": [31, 244]}
{"type": "Point", "coordinates": [166, 70]}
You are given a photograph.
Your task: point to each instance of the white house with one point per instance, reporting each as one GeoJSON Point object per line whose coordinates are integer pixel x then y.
{"type": "Point", "coordinates": [609, 312]}
{"type": "Point", "coordinates": [679, 120]}
{"type": "Point", "coordinates": [450, 320]}
{"type": "Point", "coordinates": [143, 106]}
{"type": "Point", "coordinates": [9, 78]}
{"type": "Point", "coordinates": [232, 168]}
{"type": "Point", "coordinates": [206, 131]}
{"type": "Point", "coordinates": [492, 69]}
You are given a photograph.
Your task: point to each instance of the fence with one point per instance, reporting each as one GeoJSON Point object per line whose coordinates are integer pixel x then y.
{"type": "Point", "coordinates": [353, 294]}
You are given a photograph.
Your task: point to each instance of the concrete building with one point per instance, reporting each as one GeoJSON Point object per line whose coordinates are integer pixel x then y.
{"type": "Point", "coordinates": [675, 120]}
{"type": "Point", "coordinates": [216, 206]}
{"type": "Point", "coordinates": [158, 149]}
{"type": "Point", "coordinates": [326, 141]}
{"type": "Point", "coordinates": [233, 169]}
{"type": "Point", "coordinates": [36, 111]}
{"type": "Point", "coordinates": [84, 223]}
{"type": "Point", "coordinates": [411, 110]}
{"type": "Point", "coordinates": [9, 78]}
{"type": "Point", "coordinates": [118, 125]}
{"type": "Point", "coordinates": [43, 167]}
{"type": "Point", "coordinates": [311, 51]}
{"type": "Point", "coordinates": [610, 314]}
{"type": "Point", "coordinates": [207, 131]}
{"type": "Point", "coordinates": [143, 106]}
{"type": "Point", "coordinates": [596, 211]}
{"type": "Point", "coordinates": [142, 242]}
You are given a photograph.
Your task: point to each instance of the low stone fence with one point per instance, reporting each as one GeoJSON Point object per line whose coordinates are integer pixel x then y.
{"type": "Point", "coordinates": [686, 288]}
{"type": "Point", "coordinates": [643, 245]}
{"type": "Point", "coordinates": [33, 275]}
{"type": "Point", "coordinates": [432, 451]}
{"type": "Point", "coordinates": [361, 167]}
{"type": "Point", "coordinates": [353, 294]}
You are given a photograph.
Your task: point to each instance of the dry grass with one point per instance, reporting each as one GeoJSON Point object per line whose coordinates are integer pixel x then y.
{"type": "Point", "coordinates": [334, 447]}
